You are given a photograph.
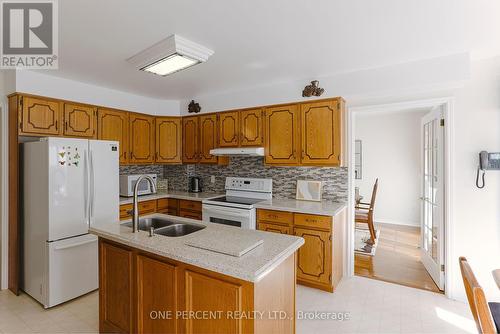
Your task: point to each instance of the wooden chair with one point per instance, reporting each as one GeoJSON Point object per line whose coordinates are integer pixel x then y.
{"type": "Point", "coordinates": [364, 213]}
{"type": "Point", "coordinates": [485, 314]}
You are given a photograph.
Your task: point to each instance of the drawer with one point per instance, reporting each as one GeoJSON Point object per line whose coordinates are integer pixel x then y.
{"type": "Point", "coordinates": [190, 205]}
{"type": "Point", "coordinates": [278, 217]}
{"type": "Point", "coordinates": [164, 203]}
{"type": "Point", "coordinates": [146, 207]}
{"type": "Point", "coordinates": [313, 221]}
{"type": "Point", "coordinates": [168, 211]}
{"type": "Point", "coordinates": [190, 214]}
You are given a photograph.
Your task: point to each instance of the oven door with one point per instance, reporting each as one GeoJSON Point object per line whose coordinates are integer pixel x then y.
{"type": "Point", "coordinates": [244, 218]}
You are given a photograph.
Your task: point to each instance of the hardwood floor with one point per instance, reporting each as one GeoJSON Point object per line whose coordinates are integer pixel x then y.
{"type": "Point", "coordinates": [397, 258]}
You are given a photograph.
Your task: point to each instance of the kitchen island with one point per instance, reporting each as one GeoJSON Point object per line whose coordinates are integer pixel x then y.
{"type": "Point", "coordinates": [190, 284]}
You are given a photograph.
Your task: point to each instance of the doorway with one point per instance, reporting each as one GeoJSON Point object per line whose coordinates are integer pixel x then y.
{"type": "Point", "coordinates": [412, 224]}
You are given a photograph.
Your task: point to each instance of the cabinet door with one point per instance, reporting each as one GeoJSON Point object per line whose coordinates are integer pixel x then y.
{"type": "Point", "coordinates": [116, 303]}
{"type": "Point", "coordinates": [41, 117]}
{"type": "Point", "coordinates": [314, 258]}
{"type": "Point", "coordinates": [208, 138]}
{"type": "Point", "coordinates": [275, 228]}
{"type": "Point", "coordinates": [251, 127]}
{"type": "Point", "coordinates": [321, 133]}
{"type": "Point", "coordinates": [79, 120]}
{"type": "Point", "coordinates": [190, 139]}
{"type": "Point", "coordinates": [207, 293]}
{"type": "Point", "coordinates": [155, 294]}
{"type": "Point", "coordinates": [282, 135]}
{"type": "Point", "coordinates": [168, 140]}
{"type": "Point", "coordinates": [114, 125]}
{"type": "Point", "coordinates": [142, 138]}
{"type": "Point", "coordinates": [229, 125]}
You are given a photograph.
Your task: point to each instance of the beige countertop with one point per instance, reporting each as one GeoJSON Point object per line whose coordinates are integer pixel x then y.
{"type": "Point", "coordinates": [173, 194]}
{"type": "Point", "coordinates": [326, 208]}
{"type": "Point", "coordinates": [252, 266]}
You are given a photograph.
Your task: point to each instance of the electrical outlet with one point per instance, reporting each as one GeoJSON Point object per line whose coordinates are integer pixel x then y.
{"type": "Point", "coordinates": [212, 179]}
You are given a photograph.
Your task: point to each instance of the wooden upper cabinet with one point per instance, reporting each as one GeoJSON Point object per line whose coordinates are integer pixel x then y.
{"type": "Point", "coordinates": [321, 138]}
{"type": "Point", "coordinates": [190, 139]}
{"type": "Point", "coordinates": [113, 125]}
{"type": "Point", "coordinates": [282, 135]}
{"type": "Point", "coordinates": [39, 116]}
{"type": "Point", "coordinates": [314, 258]}
{"type": "Point", "coordinates": [251, 127]}
{"type": "Point", "coordinates": [116, 293]}
{"type": "Point", "coordinates": [229, 129]}
{"type": "Point", "coordinates": [168, 140]}
{"type": "Point", "coordinates": [79, 120]}
{"type": "Point", "coordinates": [208, 137]}
{"type": "Point", "coordinates": [142, 138]}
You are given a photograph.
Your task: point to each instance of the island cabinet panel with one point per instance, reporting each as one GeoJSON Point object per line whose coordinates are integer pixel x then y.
{"type": "Point", "coordinates": [168, 140]}
{"type": "Point", "coordinates": [142, 139]}
{"type": "Point", "coordinates": [208, 293]}
{"type": "Point", "coordinates": [40, 116]}
{"type": "Point", "coordinates": [251, 127]}
{"type": "Point", "coordinates": [321, 139]}
{"type": "Point", "coordinates": [282, 135]}
{"type": "Point", "coordinates": [229, 129]}
{"type": "Point", "coordinates": [79, 120]}
{"type": "Point", "coordinates": [190, 139]}
{"type": "Point", "coordinates": [156, 291]}
{"type": "Point", "coordinates": [314, 258]}
{"type": "Point", "coordinates": [116, 289]}
{"type": "Point", "coordinates": [114, 125]}
{"type": "Point", "coordinates": [208, 138]}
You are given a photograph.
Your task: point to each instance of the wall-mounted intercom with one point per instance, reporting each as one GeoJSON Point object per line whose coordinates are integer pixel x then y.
{"type": "Point", "coordinates": [487, 161]}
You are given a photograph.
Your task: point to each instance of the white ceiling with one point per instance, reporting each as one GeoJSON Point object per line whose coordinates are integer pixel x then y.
{"type": "Point", "coordinates": [260, 42]}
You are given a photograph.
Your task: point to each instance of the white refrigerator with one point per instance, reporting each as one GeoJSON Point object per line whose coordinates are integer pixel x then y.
{"type": "Point", "coordinates": [69, 184]}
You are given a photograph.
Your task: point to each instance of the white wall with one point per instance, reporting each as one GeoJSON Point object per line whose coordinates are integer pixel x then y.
{"type": "Point", "coordinates": [46, 85]}
{"type": "Point", "coordinates": [391, 153]}
{"type": "Point", "coordinates": [356, 87]}
{"type": "Point", "coordinates": [476, 232]}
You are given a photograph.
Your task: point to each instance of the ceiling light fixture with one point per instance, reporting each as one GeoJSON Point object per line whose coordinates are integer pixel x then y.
{"type": "Point", "coordinates": [170, 55]}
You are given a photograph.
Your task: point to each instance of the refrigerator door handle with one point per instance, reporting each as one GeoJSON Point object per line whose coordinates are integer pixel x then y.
{"type": "Point", "coordinates": [81, 243]}
{"type": "Point", "coordinates": [86, 191]}
{"type": "Point", "coordinates": [92, 188]}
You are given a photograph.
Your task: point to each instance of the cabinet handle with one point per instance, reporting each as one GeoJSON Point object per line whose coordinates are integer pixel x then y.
{"type": "Point", "coordinates": [57, 126]}
{"type": "Point", "coordinates": [66, 126]}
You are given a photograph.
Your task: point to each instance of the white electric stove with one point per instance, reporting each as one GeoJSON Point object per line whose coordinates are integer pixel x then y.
{"type": "Point", "coordinates": [237, 207]}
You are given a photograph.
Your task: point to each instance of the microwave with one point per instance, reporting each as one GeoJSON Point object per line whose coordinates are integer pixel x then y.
{"type": "Point", "coordinates": [127, 184]}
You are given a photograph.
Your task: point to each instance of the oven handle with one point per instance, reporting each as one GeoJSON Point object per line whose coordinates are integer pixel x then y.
{"type": "Point", "coordinates": [220, 210]}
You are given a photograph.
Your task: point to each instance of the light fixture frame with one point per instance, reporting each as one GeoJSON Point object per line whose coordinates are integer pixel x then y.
{"type": "Point", "coordinates": [167, 47]}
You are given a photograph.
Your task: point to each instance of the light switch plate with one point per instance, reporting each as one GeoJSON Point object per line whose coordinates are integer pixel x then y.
{"type": "Point", "coordinates": [212, 179]}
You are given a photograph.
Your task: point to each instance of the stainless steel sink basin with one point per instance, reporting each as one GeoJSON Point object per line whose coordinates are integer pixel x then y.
{"type": "Point", "coordinates": [166, 227]}
{"type": "Point", "coordinates": [145, 224]}
{"type": "Point", "coordinates": [178, 230]}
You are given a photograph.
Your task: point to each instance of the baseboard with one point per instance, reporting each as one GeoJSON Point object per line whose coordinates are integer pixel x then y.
{"type": "Point", "coordinates": [393, 222]}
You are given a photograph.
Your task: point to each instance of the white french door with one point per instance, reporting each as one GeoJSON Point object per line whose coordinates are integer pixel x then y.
{"type": "Point", "coordinates": [432, 218]}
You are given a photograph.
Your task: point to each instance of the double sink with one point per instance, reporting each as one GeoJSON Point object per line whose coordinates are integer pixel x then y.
{"type": "Point", "coordinates": [166, 227]}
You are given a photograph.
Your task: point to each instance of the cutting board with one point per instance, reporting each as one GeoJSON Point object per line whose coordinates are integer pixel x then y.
{"type": "Point", "coordinates": [229, 243]}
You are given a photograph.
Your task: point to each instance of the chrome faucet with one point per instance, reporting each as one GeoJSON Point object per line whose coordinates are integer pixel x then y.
{"type": "Point", "coordinates": [135, 211]}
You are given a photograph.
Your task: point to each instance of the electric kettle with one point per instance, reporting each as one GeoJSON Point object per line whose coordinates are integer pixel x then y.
{"type": "Point", "coordinates": [194, 184]}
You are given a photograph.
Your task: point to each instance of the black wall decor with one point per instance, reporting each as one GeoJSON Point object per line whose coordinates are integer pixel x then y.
{"type": "Point", "coordinates": [194, 107]}
{"type": "Point", "coordinates": [313, 89]}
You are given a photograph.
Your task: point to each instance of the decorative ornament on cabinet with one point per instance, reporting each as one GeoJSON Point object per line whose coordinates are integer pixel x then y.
{"type": "Point", "coordinates": [313, 89]}
{"type": "Point", "coordinates": [194, 107]}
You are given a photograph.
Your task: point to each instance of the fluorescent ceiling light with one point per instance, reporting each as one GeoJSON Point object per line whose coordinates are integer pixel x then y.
{"type": "Point", "coordinates": [170, 55]}
{"type": "Point", "coordinates": [170, 64]}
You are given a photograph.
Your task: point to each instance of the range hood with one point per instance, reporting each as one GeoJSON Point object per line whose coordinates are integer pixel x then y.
{"type": "Point", "coordinates": [242, 151]}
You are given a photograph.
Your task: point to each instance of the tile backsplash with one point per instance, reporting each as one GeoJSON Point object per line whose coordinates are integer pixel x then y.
{"type": "Point", "coordinates": [334, 179]}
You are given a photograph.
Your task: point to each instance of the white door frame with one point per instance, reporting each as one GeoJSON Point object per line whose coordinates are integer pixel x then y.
{"type": "Point", "coordinates": [447, 104]}
{"type": "Point", "coordinates": [4, 186]}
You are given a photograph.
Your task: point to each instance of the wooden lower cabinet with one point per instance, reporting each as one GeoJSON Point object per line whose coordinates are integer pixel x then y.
{"type": "Point", "coordinates": [169, 206]}
{"type": "Point", "coordinates": [314, 257]}
{"type": "Point", "coordinates": [320, 259]}
{"type": "Point", "coordinates": [116, 289]}
{"type": "Point", "coordinates": [140, 292]}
